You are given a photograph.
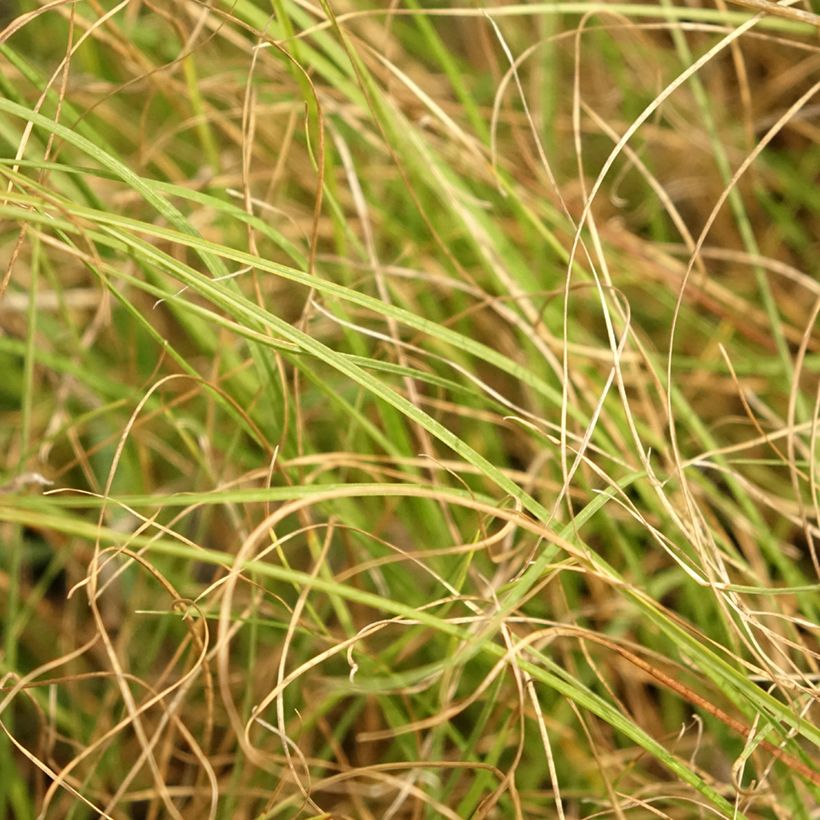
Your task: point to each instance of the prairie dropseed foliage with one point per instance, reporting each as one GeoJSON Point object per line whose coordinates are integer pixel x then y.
{"type": "Point", "coordinates": [409, 412]}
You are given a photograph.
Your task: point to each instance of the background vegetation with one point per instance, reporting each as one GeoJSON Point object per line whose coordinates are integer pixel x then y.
{"type": "Point", "coordinates": [408, 412]}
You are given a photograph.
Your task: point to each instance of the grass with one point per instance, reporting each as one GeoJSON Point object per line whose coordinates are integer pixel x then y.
{"type": "Point", "coordinates": [409, 412]}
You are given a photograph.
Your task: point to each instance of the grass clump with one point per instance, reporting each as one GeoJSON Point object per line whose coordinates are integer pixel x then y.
{"type": "Point", "coordinates": [409, 412]}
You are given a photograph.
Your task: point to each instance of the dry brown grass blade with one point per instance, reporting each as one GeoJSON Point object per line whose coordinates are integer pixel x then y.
{"type": "Point", "coordinates": [700, 702]}
{"type": "Point", "coordinates": [779, 10]}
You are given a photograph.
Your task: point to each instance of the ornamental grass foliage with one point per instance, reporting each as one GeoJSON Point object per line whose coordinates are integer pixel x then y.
{"type": "Point", "coordinates": [409, 410]}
